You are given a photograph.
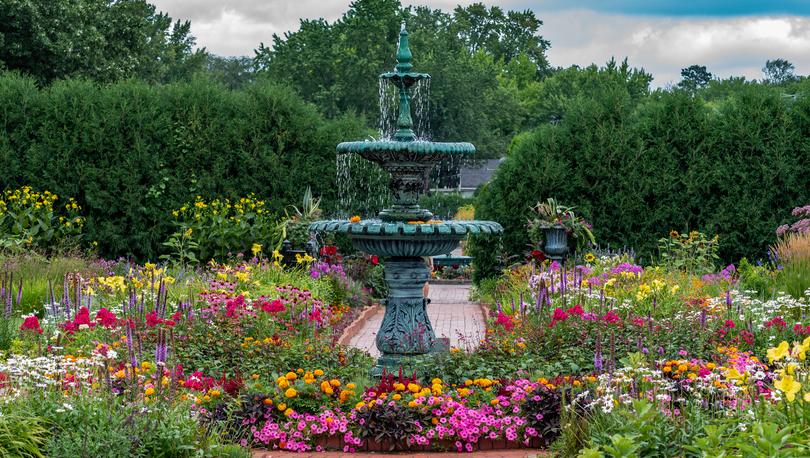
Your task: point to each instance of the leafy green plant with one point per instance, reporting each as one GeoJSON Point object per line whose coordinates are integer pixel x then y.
{"type": "Point", "coordinates": [222, 229]}
{"type": "Point", "coordinates": [22, 435]}
{"type": "Point", "coordinates": [296, 227]}
{"type": "Point", "coordinates": [182, 248]}
{"type": "Point", "coordinates": [30, 219]}
{"type": "Point", "coordinates": [693, 252]}
{"type": "Point", "coordinates": [392, 425]}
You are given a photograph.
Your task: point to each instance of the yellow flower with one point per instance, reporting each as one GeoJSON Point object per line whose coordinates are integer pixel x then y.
{"type": "Point", "coordinates": [318, 372]}
{"type": "Point", "coordinates": [775, 354]}
{"type": "Point", "coordinates": [354, 219]}
{"type": "Point", "coordinates": [256, 249]}
{"type": "Point", "coordinates": [291, 376]}
{"type": "Point", "coordinates": [788, 385]}
{"type": "Point", "coordinates": [413, 387]}
{"type": "Point", "coordinates": [149, 391]}
{"type": "Point", "coordinates": [290, 393]}
{"type": "Point", "coordinates": [589, 257]}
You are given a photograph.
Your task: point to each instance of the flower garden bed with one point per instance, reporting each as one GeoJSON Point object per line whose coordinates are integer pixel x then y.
{"type": "Point", "coordinates": [601, 357]}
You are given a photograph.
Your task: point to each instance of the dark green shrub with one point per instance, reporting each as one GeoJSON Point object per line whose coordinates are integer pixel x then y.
{"type": "Point", "coordinates": [637, 167]}
{"type": "Point", "coordinates": [486, 254]}
{"type": "Point", "coordinates": [130, 153]}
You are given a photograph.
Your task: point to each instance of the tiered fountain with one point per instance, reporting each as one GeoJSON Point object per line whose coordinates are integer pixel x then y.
{"type": "Point", "coordinates": [405, 233]}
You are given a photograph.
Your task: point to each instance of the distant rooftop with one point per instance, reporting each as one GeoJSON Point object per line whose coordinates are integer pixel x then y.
{"type": "Point", "coordinates": [473, 176]}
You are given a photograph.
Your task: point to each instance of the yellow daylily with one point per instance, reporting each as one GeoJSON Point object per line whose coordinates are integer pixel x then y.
{"type": "Point", "coordinates": [788, 385]}
{"type": "Point", "coordinates": [775, 354]}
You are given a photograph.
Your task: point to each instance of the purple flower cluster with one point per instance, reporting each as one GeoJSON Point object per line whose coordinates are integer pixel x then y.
{"type": "Point", "coordinates": [728, 275]}
{"type": "Point", "coordinates": [799, 227]}
{"type": "Point", "coordinates": [320, 269]}
{"type": "Point", "coordinates": [627, 267]}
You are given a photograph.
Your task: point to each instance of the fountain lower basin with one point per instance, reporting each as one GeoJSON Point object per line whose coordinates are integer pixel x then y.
{"type": "Point", "coordinates": [406, 239]}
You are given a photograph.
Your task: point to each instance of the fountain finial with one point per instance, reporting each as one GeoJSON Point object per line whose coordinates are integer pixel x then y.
{"type": "Point", "coordinates": [404, 56]}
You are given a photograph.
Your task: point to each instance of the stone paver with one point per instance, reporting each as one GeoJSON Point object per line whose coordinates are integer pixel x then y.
{"type": "Point", "coordinates": [451, 313]}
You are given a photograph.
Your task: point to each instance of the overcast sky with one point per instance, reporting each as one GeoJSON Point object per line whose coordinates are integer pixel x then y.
{"type": "Point", "coordinates": [730, 37]}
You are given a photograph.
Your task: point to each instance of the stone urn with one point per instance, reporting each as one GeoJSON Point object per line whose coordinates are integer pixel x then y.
{"type": "Point", "coordinates": [556, 242]}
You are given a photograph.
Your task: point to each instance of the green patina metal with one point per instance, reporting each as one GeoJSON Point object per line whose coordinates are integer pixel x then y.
{"type": "Point", "coordinates": [403, 234]}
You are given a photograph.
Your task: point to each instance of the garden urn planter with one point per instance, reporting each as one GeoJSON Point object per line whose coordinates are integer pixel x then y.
{"type": "Point", "coordinates": [556, 242]}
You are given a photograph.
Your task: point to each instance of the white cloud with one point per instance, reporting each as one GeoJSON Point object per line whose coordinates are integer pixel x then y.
{"type": "Point", "coordinates": [662, 45]}
{"type": "Point", "coordinates": [727, 46]}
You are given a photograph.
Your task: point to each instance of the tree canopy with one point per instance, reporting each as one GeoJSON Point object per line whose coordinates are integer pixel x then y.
{"type": "Point", "coordinates": [103, 40]}
{"type": "Point", "coordinates": [472, 54]}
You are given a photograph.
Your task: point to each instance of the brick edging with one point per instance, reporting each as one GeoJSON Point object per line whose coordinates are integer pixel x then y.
{"type": "Point", "coordinates": [358, 323]}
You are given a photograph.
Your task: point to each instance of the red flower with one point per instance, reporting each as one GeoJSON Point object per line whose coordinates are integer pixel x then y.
{"type": "Point", "coordinates": [152, 319]}
{"type": "Point", "coordinates": [374, 259]}
{"type": "Point", "coordinates": [538, 255]}
{"type": "Point", "coordinates": [776, 321]}
{"type": "Point", "coordinates": [106, 318]}
{"type": "Point", "coordinates": [559, 315]}
{"type": "Point", "coordinates": [31, 323]}
{"type": "Point", "coordinates": [611, 317]}
{"type": "Point", "coordinates": [328, 250]}
{"type": "Point", "coordinates": [505, 321]}
{"type": "Point", "coordinates": [83, 317]}
{"type": "Point", "coordinates": [576, 310]}
{"type": "Point", "coordinates": [729, 324]}
{"type": "Point", "coordinates": [273, 306]}
{"type": "Point", "coordinates": [316, 316]}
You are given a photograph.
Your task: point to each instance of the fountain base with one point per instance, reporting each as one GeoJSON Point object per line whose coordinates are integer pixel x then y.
{"type": "Point", "coordinates": [405, 330]}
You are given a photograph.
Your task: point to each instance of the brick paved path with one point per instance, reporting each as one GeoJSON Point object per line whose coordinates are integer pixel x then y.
{"type": "Point", "coordinates": [450, 312]}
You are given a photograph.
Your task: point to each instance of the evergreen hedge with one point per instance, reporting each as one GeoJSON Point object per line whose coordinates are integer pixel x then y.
{"type": "Point", "coordinates": [130, 152]}
{"type": "Point", "coordinates": [671, 160]}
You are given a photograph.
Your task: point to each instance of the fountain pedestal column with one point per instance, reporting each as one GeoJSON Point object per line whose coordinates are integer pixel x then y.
{"type": "Point", "coordinates": [406, 329]}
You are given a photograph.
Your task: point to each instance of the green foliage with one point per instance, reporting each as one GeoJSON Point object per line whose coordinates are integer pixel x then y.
{"type": "Point", "coordinates": [221, 229]}
{"type": "Point", "coordinates": [695, 77]}
{"type": "Point", "coordinates": [22, 435]}
{"type": "Point", "coordinates": [485, 252]}
{"type": "Point", "coordinates": [692, 253]}
{"type": "Point", "coordinates": [443, 205]}
{"type": "Point", "coordinates": [639, 163]}
{"type": "Point", "coordinates": [131, 153]}
{"type": "Point", "coordinates": [33, 220]}
{"type": "Point", "coordinates": [296, 228]}
{"type": "Point", "coordinates": [98, 39]}
{"type": "Point", "coordinates": [755, 278]}
{"type": "Point", "coordinates": [92, 426]}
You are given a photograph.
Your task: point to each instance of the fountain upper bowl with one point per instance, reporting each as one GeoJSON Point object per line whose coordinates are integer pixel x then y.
{"type": "Point", "coordinates": [414, 147]}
